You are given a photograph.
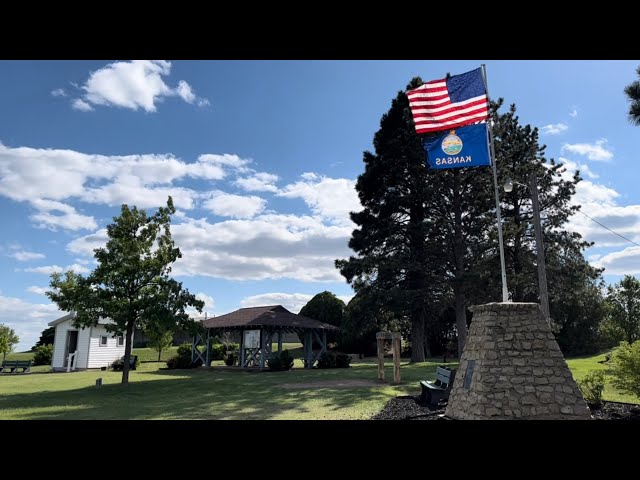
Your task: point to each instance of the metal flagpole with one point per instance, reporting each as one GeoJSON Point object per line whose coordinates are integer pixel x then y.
{"type": "Point", "coordinates": [505, 292]}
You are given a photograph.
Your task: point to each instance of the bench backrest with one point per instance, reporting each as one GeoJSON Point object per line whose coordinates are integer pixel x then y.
{"type": "Point", "coordinates": [443, 375]}
{"type": "Point", "coordinates": [16, 363]}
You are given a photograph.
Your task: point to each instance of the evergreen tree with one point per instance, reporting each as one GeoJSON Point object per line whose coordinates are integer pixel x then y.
{"type": "Point", "coordinates": [131, 284]}
{"type": "Point", "coordinates": [574, 285]}
{"type": "Point", "coordinates": [393, 256]}
{"type": "Point", "coordinates": [47, 337]}
{"type": "Point", "coordinates": [633, 95]}
{"type": "Point", "coordinates": [325, 307]}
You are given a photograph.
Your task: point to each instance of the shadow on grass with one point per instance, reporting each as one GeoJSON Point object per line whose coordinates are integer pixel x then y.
{"type": "Point", "coordinates": [206, 394]}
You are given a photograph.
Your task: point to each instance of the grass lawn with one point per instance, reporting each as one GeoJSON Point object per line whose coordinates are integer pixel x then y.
{"type": "Point", "coordinates": [155, 393]}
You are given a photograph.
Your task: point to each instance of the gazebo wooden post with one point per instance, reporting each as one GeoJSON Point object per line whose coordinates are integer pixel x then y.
{"type": "Point", "coordinates": [279, 339]}
{"type": "Point", "coordinates": [380, 342]}
{"type": "Point", "coordinates": [208, 347]}
{"type": "Point", "coordinates": [308, 346]}
{"type": "Point", "coordinates": [242, 359]}
{"type": "Point", "coordinates": [263, 352]}
{"type": "Point", "coordinates": [395, 340]}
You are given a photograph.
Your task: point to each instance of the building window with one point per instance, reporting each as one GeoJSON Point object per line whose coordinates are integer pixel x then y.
{"type": "Point", "coordinates": [103, 341]}
{"type": "Point", "coordinates": [120, 341]}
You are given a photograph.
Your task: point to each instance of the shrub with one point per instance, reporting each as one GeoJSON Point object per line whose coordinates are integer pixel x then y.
{"type": "Point", "coordinates": [119, 363]}
{"type": "Point", "coordinates": [230, 360]}
{"type": "Point", "coordinates": [592, 386]}
{"type": "Point", "coordinates": [625, 367]}
{"type": "Point", "coordinates": [283, 361]}
{"type": "Point", "coordinates": [179, 361]}
{"type": "Point", "coordinates": [342, 360]}
{"type": "Point", "coordinates": [43, 355]}
{"type": "Point", "coordinates": [327, 360]}
{"type": "Point", "coordinates": [217, 351]}
{"type": "Point", "coordinates": [184, 350]}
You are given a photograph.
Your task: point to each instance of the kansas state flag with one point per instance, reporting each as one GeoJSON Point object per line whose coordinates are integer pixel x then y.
{"type": "Point", "coordinates": [463, 147]}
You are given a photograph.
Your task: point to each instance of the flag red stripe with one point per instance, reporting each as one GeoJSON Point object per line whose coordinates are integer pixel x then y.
{"type": "Point", "coordinates": [444, 111]}
{"type": "Point", "coordinates": [477, 116]}
{"type": "Point", "coordinates": [423, 129]}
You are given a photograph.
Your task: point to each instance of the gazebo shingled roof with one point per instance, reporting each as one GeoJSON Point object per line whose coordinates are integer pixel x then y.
{"type": "Point", "coordinates": [270, 316]}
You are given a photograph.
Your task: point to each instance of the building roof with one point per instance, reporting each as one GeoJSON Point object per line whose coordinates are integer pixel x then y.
{"type": "Point", "coordinates": [70, 316]}
{"type": "Point", "coordinates": [270, 316]}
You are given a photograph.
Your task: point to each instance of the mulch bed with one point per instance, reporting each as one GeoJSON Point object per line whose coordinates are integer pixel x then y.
{"type": "Point", "coordinates": [410, 408]}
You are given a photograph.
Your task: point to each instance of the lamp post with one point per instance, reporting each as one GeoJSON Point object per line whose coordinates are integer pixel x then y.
{"type": "Point", "coordinates": [542, 271]}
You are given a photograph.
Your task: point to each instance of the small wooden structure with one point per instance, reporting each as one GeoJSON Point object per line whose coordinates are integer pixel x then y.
{"type": "Point", "coordinates": [257, 327]}
{"type": "Point", "coordinates": [395, 347]}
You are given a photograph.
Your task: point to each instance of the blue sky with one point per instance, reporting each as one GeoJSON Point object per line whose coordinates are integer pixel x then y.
{"type": "Point", "coordinates": [261, 158]}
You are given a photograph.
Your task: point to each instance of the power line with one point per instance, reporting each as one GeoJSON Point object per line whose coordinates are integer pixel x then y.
{"type": "Point", "coordinates": [604, 226]}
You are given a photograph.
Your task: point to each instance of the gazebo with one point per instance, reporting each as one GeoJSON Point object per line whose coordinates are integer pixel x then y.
{"type": "Point", "coordinates": [257, 327]}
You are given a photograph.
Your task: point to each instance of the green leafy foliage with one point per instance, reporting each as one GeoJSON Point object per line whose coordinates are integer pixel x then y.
{"type": "Point", "coordinates": [342, 360]}
{"type": "Point", "coordinates": [592, 386]}
{"type": "Point", "coordinates": [625, 367]}
{"type": "Point", "coordinates": [8, 340]}
{"type": "Point", "coordinates": [281, 361]}
{"type": "Point", "coordinates": [159, 339]}
{"type": "Point", "coordinates": [325, 307]}
{"type": "Point", "coordinates": [43, 354]}
{"type": "Point", "coordinates": [623, 301]}
{"type": "Point", "coordinates": [131, 284]}
{"type": "Point", "coordinates": [334, 360]}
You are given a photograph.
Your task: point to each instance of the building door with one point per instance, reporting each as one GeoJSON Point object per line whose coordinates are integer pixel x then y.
{"type": "Point", "coordinates": [71, 345]}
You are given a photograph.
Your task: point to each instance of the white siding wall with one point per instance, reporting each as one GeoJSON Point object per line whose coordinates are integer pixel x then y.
{"type": "Point", "coordinates": [83, 348]}
{"type": "Point", "coordinates": [100, 356]}
{"type": "Point", "coordinates": [60, 343]}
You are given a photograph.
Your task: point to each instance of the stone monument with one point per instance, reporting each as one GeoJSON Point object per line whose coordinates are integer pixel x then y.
{"type": "Point", "coordinates": [512, 368]}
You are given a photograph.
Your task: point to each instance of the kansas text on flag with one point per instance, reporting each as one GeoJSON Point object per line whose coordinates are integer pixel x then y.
{"type": "Point", "coordinates": [449, 103]}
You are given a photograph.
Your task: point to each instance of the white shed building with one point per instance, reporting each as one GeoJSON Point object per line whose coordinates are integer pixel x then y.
{"type": "Point", "coordinates": [95, 346]}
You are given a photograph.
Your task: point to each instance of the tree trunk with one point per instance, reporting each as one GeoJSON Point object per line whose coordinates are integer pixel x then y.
{"type": "Point", "coordinates": [127, 353]}
{"type": "Point", "coordinates": [417, 335]}
{"type": "Point", "coordinates": [159, 353]}
{"type": "Point", "coordinates": [458, 257]}
{"type": "Point", "coordinates": [461, 319]}
{"type": "Point", "coordinates": [427, 348]}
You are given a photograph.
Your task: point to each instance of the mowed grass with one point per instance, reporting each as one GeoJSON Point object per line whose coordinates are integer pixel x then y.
{"type": "Point", "coordinates": [580, 366]}
{"type": "Point", "coordinates": [204, 393]}
{"type": "Point", "coordinates": [156, 393]}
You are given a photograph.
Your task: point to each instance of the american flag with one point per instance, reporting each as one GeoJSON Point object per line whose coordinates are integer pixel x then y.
{"type": "Point", "coordinates": [450, 102]}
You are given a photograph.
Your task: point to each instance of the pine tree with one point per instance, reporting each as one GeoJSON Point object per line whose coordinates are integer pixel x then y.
{"type": "Point", "coordinates": [633, 95]}
{"type": "Point", "coordinates": [394, 259]}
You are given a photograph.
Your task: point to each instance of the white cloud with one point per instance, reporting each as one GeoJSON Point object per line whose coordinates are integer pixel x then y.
{"type": "Point", "coordinates": [135, 84]}
{"type": "Point", "coordinates": [59, 92]}
{"type": "Point", "coordinates": [25, 256]}
{"type": "Point", "coordinates": [625, 262]}
{"type": "Point", "coordinates": [69, 219]}
{"type": "Point", "coordinates": [87, 244]}
{"type": "Point", "coordinates": [331, 198]}
{"type": "Point", "coordinates": [596, 152]}
{"type": "Point", "coordinates": [37, 290]}
{"type": "Point", "coordinates": [81, 105]}
{"type": "Point", "coordinates": [225, 160]}
{"type": "Point", "coordinates": [49, 269]}
{"type": "Point", "coordinates": [574, 112]}
{"type": "Point", "coordinates": [291, 301]}
{"type": "Point", "coordinates": [583, 167]}
{"type": "Point", "coordinates": [45, 177]}
{"type": "Point", "coordinates": [554, 128]}
{"type": "Point", "coordinates": [237, 206]}
{"type": "Point", "coordinates": [27, 319]}
{"type": "Point", "coordinates": [258, 182]}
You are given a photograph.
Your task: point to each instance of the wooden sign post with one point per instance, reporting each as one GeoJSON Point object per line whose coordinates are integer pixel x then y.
{"type": "Point", "coordinates": [395, 347]}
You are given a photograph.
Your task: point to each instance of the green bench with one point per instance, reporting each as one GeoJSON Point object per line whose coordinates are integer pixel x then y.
{"type": "Point", "coordinates": [433, 392]}
{"type": "Point", "coordinates": [12, 366]}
